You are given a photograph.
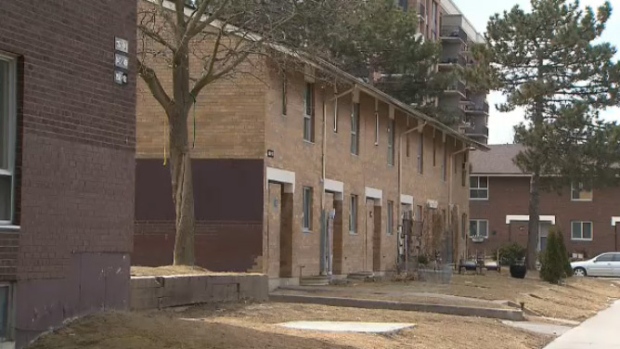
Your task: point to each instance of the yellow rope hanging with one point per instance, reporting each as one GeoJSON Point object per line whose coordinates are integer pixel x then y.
{"type": "Point", "coordinates": [165, 141]}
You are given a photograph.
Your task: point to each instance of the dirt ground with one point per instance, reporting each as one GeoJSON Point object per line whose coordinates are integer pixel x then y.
{"type": "Point", "coordinates": [578, 300]}
{"type": "Point", "coordinates": [173, 270]}
{"type": "Point", "coordinates": [255, 326]}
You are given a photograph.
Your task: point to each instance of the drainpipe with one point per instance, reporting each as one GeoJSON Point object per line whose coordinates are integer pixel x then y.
{"type": "Point", "coordinates": [418, 128]}
{"type": "Point", "coordinates": [324, 241]}
{"type": "Point", "coordinates": [451, 171]}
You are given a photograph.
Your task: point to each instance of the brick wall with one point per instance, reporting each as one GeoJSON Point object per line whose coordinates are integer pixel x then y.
{"type": "Point", "coordinates": [76, 142]}
{"type": "Point", "coordinates": [284, 135]}
{"type": "Point", "coordinates": [510, 196]}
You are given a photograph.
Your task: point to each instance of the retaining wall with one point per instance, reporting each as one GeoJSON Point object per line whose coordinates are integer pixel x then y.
{"type": "Point", "coordinates": [154, 292]}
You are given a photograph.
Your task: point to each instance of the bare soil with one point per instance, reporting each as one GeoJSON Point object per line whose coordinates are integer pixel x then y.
{"type": "Point", "coordinates": [255, 326]}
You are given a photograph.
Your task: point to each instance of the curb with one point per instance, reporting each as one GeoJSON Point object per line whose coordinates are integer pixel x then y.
{"type": "Point", "coordinates": [503, 314]}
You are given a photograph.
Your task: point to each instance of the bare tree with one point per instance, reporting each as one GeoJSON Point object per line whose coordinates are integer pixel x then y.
{"type": "Point", "coordinates": [213, 34]}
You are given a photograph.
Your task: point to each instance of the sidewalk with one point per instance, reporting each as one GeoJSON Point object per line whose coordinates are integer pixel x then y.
{"type": "Point", "coordinates": [600, 332]}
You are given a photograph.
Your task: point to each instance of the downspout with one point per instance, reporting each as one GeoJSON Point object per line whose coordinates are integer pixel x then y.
{"type": "Point", "coordinates": [324, 240]}
{"type": "Point", "coordinates": [399, 232]}
{"type": "Point", "coordinates": [452, 158]}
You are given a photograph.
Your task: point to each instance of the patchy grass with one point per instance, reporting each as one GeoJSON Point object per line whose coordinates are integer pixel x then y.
{"type": "Point", "coordinates": [255, 326]}
{"type": "Point", "coordinates": [170, 270]}
{"type": "Point", "coordinates": [578, 300]}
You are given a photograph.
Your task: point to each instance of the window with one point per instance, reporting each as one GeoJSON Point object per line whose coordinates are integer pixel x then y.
{"type": "Point", "coordinates": [479, 188]}
{"type": "Point", "coordinates": [581, 230]}
{"type": "Point", "coordinates": [608, 257]}
{"type": "Point", "coordinates": [390, 217]}
{"type": "Point", "coordinates": [434, 152]}
{"type": "Point", "coordinates": [309, 113]}
{"type": "Point", "coordinates": [377, 127]}
{"type": "Point", "coordinates": [404, 4]}
{"type": "Point", "coordinates": [407, 145]}
{"type": "Point", "coordinates": [307, 214]}
{"type": "Point", "coordinates": [391, 139]}
{"type": "Point", "coordinates": [464, 172]}
{"type": "Point", "coordinates": [581, 192]}
{"type": "Point", "coordinates": [7, 139]}
{"type": "Point", "coordinates": [284, 92]}
{"type": "Point", "coordinates": [421, 154]}
{"type": "Point", "coordinates": [479, 228]}
{"type": "Point", "coordinates": [444, 165]}
{"type": "Point", "coordinates": [336, 115]}
{"type": "Point", "coordinates": [418, 213]}
{"type": "Point", "coordinates": [355, 129]}
{"type": "Point", "coordinates": [6, 309]}
{"type": "Point", "coordinates": [353, 214]}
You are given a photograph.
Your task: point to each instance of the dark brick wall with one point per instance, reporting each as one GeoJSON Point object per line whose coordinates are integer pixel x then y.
{"type": "Point", "coordinates": [510, 196]}
{"type": "Point", "coordinates": [228, 207]}
{"type": "Point", "coordinates": [75, 161]}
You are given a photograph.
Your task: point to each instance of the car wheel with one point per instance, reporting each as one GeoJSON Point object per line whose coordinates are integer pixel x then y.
{"type": "Point", "coordinates": [579, 272]}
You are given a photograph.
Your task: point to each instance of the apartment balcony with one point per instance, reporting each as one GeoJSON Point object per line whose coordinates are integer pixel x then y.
{"type": "Point", "coordinates": [453, 34]}
{"type": "Point", "coordinates": [475, 107]}
{"type": "Point", "coordinates": [449, 62]}
{"type": "Point", "coordinates": [457, 88]}
{"type": "Point", "coordinates": [479, 131]}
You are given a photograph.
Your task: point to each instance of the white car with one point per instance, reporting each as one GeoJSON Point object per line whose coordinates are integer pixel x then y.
{"type": "Point", "coordinates": [606, 264]}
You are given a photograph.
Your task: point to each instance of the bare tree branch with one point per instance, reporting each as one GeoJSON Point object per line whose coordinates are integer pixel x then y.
{"type": "Point", "coordinates": [155, 36]}
{"type": "Point", "coordinates": [159, 93]}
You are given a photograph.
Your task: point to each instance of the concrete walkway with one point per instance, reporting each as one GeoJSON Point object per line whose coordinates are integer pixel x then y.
{"type": "Point", "coordinates": [600, 332]}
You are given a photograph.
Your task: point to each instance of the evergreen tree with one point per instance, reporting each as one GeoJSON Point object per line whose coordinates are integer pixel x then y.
{"type": "Point", "coordinates": [555, 265]}
{"type": "Point", "coordinates": [546, 61]}
{"type": "Point", "coordinates": [564, 254]}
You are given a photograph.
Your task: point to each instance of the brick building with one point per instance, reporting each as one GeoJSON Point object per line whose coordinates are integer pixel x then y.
{"type": "Point", "coordinates": [67, 144]}
{"type": "Point", "coordinates": [261, 183]}
{"type": "Point", "coordinates": [499, 208]}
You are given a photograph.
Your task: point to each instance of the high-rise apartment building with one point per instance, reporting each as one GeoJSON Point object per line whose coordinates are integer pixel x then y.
{"type": "Point", "coordinates": [442, 20]}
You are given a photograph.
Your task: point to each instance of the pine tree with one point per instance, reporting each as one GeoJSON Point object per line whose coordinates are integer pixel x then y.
{"type": "Point", "coordinates": [546, 61]}
{"type": "Point", "coordinates": [568, 271]}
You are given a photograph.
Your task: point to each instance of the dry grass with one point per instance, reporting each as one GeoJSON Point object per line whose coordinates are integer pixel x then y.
{"type": "Point", "coordinates": [578, 300]}
{"type": "Point", "coordinates": [169, 270]}
{"type": "Point", "coordinates": [255, 326]}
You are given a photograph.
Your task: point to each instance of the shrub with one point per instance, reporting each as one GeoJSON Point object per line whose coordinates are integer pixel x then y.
{"type": "Point", "coordinates": [511, 254]}
{"type": "Point", "coordinates": [555, 264]}
{"type": "Point", "coordinates": [423, 259]}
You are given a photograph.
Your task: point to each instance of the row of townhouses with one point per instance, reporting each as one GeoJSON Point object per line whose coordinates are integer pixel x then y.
{"type": "Point", "coordinates": [291, 177]}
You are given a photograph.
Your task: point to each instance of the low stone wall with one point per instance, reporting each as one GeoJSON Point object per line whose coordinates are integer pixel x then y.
{"type": "Point", "coordinates": [156, 292]}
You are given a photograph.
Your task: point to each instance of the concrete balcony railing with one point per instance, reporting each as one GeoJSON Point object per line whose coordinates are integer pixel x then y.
{"type": "Point", "coordinates": [453, 32]}
{"type": "Point", "coordinates": [457, 87]}
{"type": "Point", "coordinates": [459, 59]}
{"type": "Point", "coordinates": [477, 107]}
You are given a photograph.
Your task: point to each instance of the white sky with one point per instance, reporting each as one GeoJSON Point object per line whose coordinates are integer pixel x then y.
{"type": "Point", "coordinates": [478, 13]}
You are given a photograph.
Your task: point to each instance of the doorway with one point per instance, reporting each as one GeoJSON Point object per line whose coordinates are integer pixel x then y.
{"type": "Point", "coordinates": [369, 228]}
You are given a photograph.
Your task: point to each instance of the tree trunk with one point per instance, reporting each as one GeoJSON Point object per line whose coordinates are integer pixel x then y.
{"type": "Point", "coordinates": [182, 192]}
{"type": "Point", "coordinates": [532, 236]}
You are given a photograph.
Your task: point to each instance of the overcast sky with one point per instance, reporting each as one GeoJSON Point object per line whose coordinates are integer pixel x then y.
{"type": "Point", "coordinates": [478, 13]}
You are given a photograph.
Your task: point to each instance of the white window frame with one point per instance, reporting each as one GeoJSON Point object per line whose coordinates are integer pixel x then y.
{"type": "Point", "coordinates": [580, 190]}
{"type": "Point", "coordinates": [309, 118]}
{"type": "Point", "coordinates": [391, 142]}
{"type": "Point", "coordinates": [478, 235]}
{"type": "Point", "coordinates": [353, 213]}
{"type": "Point", "coordinates": [479, 188]}
{"type": "Point", "coordinates": [355, 129]}
{"type": "Point", "coordinates": [581, 223]}
{"type": "Point", "coordinates": [307, 204]}
{"type": "Point", "coordinates": [10, 120]}
{"type": "Point", "coordinates": [390, 217]}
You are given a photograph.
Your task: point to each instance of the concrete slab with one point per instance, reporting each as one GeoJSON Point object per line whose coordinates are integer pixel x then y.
{"type": "Point", "coordinates": [600, 332]}
{"type": "Point", "coordinates": [541, 328]}
{"type": "Point", "coordinates": [340, 326]}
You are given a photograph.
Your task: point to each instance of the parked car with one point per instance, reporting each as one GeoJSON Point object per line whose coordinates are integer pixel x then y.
{"type": "Point", "coordinates": [605, 264]}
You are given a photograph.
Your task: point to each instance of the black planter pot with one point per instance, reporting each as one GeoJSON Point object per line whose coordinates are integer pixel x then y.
{"type": "Point", "coordinates": [518, 271]}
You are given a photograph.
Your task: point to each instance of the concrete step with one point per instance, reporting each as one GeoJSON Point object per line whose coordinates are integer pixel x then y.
{"type": "Point", "coordinates": [362, 275]}
{"type": "Point", "coordinates": [319, 280]}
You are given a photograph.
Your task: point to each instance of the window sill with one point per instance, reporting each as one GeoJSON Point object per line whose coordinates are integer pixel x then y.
{"type": "Point", "coordinates": [308, 142]}
{"type": "Point", "coordinates": [9, 228]}
{"type": "Point", "coordinates": [478, 199]}
{"type": "Point", "coordinates": [352, 233]}
{"type": "Point", "coordinates": [306, 231]}
{"type": "Point", "coordinates": [581, 200]}
{"type": "Point", "coordinates": [584, 240]}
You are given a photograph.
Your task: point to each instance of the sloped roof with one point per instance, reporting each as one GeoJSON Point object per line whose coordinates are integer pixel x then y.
{"type": "Point", "coordinates": [497, 161]}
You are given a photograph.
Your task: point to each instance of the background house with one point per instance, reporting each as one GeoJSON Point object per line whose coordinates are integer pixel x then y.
{"type": "Point", "coordinates": [499, 198]}
{"type": "Point", "coordinates": [67, 138]}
